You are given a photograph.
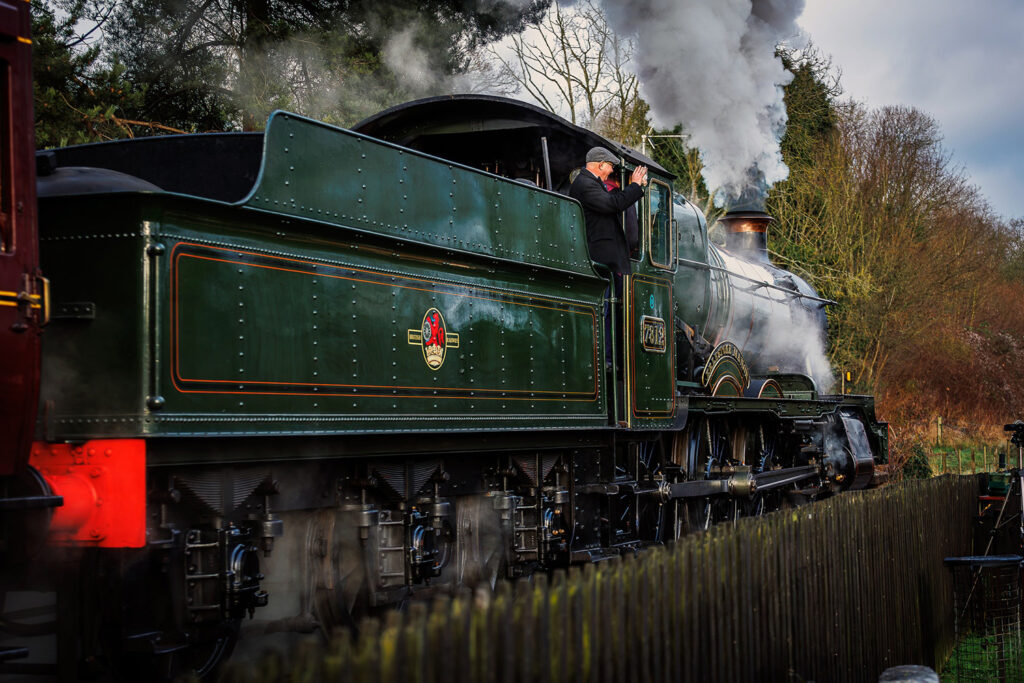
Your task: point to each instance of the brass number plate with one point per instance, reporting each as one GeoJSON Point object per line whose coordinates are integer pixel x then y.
{"type": "Point", "coordinates": [652, 334]}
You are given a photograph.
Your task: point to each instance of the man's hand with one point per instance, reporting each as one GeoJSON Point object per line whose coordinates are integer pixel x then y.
{"type": "Point", "coordinates": [639, 176]}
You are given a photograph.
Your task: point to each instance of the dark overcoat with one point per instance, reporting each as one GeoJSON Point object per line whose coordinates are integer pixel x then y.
{"type": "Point", "coordinates": [602, 212]}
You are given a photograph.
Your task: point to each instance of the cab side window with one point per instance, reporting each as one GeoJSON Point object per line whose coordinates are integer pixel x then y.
{"type": "Point", "coordinates": [659, 224]}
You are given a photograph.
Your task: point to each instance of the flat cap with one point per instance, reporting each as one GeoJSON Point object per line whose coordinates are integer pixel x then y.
{"type": "Point", "coordinates": [601, 154]}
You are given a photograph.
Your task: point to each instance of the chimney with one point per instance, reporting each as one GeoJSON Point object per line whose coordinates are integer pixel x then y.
{"type": "Point", "coordinates": [746, 234]}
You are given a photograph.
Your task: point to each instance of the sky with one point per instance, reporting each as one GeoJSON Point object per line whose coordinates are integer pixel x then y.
{"type": "Point", "coordinates": [961, 62]}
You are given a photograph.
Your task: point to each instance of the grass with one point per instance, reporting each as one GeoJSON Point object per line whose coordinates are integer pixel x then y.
{"type": "Point", "coordinates": [958, 460]}
{"type": "Point", "coordinates": [980, 658]}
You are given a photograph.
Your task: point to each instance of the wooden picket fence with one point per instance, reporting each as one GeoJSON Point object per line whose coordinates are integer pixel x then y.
{"type": "Point", "coordinates": [835, 591]}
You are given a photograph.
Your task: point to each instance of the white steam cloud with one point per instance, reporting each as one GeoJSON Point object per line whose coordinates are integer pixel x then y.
{"type": "Point", "coordinates": [410, 63]}
{"type": "Point", "coordinates": [774, 328]}
{"type": "Point", "coordinates": [711, 66]}
{"type": "Point", "coordinates": [795, 343]}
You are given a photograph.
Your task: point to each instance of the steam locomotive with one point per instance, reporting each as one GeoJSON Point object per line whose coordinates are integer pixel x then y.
{"type": "Point", "coordinates": [292, 377]}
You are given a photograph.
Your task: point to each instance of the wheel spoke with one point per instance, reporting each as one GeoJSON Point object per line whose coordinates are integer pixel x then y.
{"type": "Point", "coordinates": [652, 514]}
{"type": "Point", "coordinates": [766, 449]}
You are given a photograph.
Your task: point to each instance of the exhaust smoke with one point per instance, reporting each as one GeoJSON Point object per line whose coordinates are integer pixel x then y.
{"type": "Point", "coordinates": [711, 66]}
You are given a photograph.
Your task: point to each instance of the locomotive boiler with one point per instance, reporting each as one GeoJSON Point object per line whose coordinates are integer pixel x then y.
{"type": "Point", "coordinates": [297, 376]}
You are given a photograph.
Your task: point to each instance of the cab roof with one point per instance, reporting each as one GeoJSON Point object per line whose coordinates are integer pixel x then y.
{"type": "Point", "coordinates": [468, 128]}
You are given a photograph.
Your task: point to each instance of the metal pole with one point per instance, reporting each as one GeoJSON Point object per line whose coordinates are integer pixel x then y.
{"type": "Point", "coordinates": [547, 162]}
{"type": "Point", "coordinates": [645, 138]}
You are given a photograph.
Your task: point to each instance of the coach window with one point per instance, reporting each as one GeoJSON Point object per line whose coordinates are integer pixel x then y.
{"type": "Point", "coordinates": [659, 224]}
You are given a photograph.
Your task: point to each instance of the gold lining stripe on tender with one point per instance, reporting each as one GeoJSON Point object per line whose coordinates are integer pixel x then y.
{"type": "Point", "coordinates": [33, 297]}
{"type": "Point", "coordinates": [27, 41]}
{"type": "Point", "coordinates": [487, 294]}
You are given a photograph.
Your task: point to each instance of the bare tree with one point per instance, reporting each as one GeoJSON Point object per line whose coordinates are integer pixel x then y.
{"type": "Point", "coordinates": [892, 229]}
{"type": "Point", "coordinates": [574, 65]}
{"type": "Point", "coordinates": [625, 117]}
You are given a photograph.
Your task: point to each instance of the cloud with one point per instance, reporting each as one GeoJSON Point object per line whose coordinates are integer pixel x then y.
{"type": "Point", "coordinates": [960, 62]}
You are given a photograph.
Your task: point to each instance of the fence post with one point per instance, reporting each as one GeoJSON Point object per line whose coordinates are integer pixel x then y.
{"type": "Point", "coordinates": [938, 432]}
{"type": "Point", "coordinates": [974, 461]}
{"type": "Point", "coordinates": [959, 463]}
{"type": "Point", "coordinates": [945, 469]}
{"type": "Point", "coordinates": [984, 458]}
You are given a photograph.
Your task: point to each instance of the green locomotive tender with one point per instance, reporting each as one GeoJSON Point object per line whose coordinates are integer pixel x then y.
{"type": "Point", "coordinates": [381, 355]}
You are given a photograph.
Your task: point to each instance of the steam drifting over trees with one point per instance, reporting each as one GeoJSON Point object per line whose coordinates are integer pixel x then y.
{"type": "Point", "coordinates": [201, 65]}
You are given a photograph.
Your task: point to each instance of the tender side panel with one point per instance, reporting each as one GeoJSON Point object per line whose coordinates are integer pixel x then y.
{"type": "Point", "coordinates": [183, 317]}
{"type": "Point", "coordinates": [263, 337]}
{"type": "Point", "coordinates": [327, 174]}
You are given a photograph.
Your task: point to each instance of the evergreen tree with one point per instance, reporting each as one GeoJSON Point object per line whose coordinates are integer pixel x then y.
{"type": "Point", "coordinates": [216, 64]}
{"type": "Point", "coordinates": [79, 96]}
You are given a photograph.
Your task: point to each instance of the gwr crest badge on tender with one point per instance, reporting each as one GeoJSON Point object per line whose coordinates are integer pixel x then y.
{"type": "Point", "coordinates": [434, 338]}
